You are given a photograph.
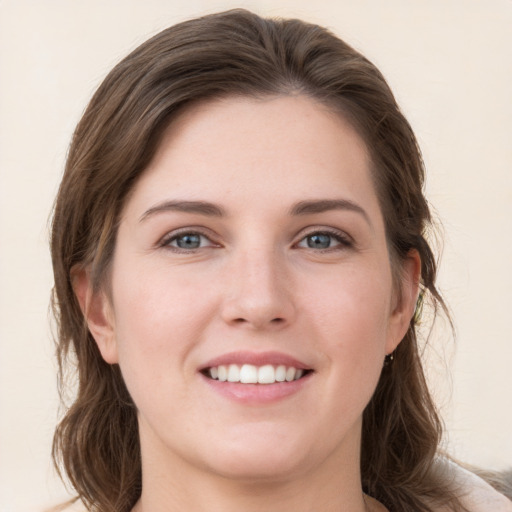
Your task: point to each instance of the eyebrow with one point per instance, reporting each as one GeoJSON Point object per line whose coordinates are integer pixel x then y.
{"type": "Point", "coordinates": [214, 210]}
{"type": "Point", "coordinates": [325, 205]}
{"type": "Point", "coordinates": [199, 207]}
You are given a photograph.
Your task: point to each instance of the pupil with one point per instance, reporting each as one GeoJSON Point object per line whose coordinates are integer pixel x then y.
{"type": "Point", "coordinates": [319, 241]}
{"type": "Point", "coordinates": [188, 241]}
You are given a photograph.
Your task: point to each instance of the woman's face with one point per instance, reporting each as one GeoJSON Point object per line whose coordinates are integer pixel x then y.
{"type": "Point", "coordinates": [253, 247]}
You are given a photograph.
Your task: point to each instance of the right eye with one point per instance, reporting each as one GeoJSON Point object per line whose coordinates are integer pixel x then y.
{"type": "Point", "coordinates": [187, 241]}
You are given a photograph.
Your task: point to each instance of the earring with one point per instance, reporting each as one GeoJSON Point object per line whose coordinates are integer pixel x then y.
{"type": "Point", "coordinates": [419, 308]}
{"type": "Point", "coordinates": [389, 359]}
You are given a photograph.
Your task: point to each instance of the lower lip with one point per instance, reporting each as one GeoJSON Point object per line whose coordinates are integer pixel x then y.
{"type": "Point", "coordinates": [257, 394]}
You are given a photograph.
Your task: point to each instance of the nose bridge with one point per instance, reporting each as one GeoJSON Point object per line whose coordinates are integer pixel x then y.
{"type": "Point", "coordinates": [258, 294]}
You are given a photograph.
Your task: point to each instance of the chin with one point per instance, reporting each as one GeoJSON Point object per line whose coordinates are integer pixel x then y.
{"type": "Point", "coordinates": [259, 458]}
{"type": "Point", "coordinates": [262, 470]}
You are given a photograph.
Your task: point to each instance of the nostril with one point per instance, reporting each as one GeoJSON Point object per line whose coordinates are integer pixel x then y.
{"type": "Point", "coordinates": [274, 321]}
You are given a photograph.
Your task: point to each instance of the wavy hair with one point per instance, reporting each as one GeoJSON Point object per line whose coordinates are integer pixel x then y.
{"type": "Point", "coordinates": [235, 53]}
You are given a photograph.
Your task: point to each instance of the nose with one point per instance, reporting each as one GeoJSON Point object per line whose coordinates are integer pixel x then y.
{"type": "Point", "coordinates": [259, 294]}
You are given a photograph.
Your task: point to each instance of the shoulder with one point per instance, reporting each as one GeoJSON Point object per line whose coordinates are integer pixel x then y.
{"type": "Point", "coordinates": [476, 494]}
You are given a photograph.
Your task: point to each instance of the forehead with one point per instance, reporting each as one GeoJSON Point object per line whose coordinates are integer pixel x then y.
{"type": "Point", "coordinates": [283, 148]}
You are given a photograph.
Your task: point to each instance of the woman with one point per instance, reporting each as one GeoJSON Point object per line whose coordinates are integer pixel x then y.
{"type": "Point", "coordinates": [239, 247]}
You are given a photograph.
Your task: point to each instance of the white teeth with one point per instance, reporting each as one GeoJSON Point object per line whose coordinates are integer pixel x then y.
{"type": "Point", "coordinates": [250, 374]}
{"type": "Point", "coordinates": [281, 373]}
{"type": "Point", "coordinates": [233, 373]}
{"type": "Point", "coordinates": [266, 374]}
{"type": "Point", "coordinates": [223, 373]}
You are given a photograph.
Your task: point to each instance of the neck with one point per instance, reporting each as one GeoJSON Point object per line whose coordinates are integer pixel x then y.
{"type": "Point", "coordinates": [251, 498]}
{"type": "Point", "coordinates": [171, 484]}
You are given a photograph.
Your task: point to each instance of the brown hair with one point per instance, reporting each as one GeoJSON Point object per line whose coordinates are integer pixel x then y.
{"type": "Point", "coordinates": [232, 53]}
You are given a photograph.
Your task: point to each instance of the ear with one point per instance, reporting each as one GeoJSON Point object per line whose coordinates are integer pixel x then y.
{"type": "Point", "coordinates": [98, 314]}
{"type": "Point", "coordinates": [405, 304]}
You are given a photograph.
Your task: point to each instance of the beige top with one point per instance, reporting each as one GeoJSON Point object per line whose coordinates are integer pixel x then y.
{"type": "Point", "coordinates": [480, 497]}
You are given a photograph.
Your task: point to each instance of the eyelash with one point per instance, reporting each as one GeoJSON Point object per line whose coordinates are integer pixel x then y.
{"type": "Point", "coordinates": [343, 240]}
{"type": "Point", "coordinates": [166, 241]}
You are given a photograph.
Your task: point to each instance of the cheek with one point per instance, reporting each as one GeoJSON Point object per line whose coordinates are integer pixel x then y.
{"type": "Point", "coordinates": [150, 298]}
{"type": "Point", "coordinates": [352, 312]}
{"type": "Point", "coordinates": [159, 318]}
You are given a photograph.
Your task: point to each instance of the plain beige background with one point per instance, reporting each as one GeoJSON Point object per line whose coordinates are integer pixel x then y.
{"type": "Point", "coordinates": [450, 65]}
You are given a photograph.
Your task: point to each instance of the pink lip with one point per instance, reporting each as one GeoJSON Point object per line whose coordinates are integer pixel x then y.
{"type": "Point", "coordinates": [256, 359]}
{"type": "Point", "coordinates": [257, 394]}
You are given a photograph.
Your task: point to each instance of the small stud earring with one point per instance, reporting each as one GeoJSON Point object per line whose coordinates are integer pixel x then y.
{"type": "Point", "coordinates": [389, 359]}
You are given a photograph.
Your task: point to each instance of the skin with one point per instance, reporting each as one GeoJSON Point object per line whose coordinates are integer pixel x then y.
{"type": "Point", "coordinates": [255, 284]}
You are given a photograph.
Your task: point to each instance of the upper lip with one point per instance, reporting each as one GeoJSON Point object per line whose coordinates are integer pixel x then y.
{"type": "Point", "coordinates": [256, 359]}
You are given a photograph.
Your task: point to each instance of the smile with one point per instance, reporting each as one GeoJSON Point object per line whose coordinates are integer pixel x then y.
{"type": "Point", "coordinates": [251, 374]}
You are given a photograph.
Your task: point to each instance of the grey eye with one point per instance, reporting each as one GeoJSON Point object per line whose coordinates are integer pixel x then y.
{"type": "Point", "coordinates": [187, 241]}
{"type": "Point", "coordinates": [319, 241]}
{"type": "Point", "coordinates": [322, 240]}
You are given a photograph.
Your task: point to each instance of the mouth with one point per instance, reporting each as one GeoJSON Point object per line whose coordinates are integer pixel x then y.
{"type": "Point", "coordinates": [253, 374]}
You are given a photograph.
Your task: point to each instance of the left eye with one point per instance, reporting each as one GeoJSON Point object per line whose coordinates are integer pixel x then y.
{"type": "Point", "coordinates": [321, 240]}
{"type": "Point", "coordinates": [188, 241]}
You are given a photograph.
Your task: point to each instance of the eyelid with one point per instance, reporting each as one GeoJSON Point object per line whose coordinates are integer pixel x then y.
{"type": "Point", "coordinates": [344, 239]}
{"type": "Point", "coordinates": [164, 241]}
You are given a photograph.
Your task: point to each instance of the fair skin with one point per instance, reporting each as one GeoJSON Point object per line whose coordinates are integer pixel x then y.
{"type": "Point", "coordinates": [254, 237]}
